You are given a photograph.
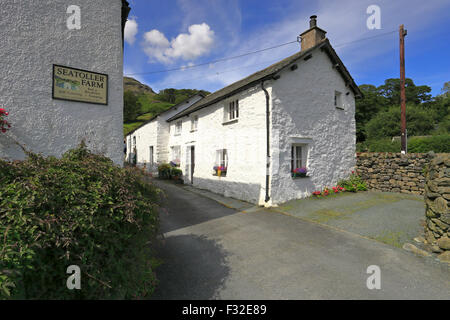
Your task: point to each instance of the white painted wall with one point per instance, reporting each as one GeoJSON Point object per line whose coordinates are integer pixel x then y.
{"type": "Point", "coordinates": [155, 133]}
{"type": "Point", "coordinates": [244, 140]}
{"type": "Point", "coordinates": [33, 37]}
{"type": "Point", "coordinates": [304, 112]}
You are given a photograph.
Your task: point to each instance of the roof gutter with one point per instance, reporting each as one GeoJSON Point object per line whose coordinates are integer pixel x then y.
{"type": "Point", "coordinates": [267, 198]}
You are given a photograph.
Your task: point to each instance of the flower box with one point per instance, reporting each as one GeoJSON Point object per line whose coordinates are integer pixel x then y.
{"type": "Point", "coordinates": [299, 172]}
{"type": "Point", "coordinates": [220, 171]}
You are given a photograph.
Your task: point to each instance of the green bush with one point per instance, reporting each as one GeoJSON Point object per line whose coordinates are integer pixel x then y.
{"type": "Point", "coordinates": [164, 170]}
{"type": "Point", "coordinates": [78, 210]}
{"type": "Point", "coordinates": [437, 144]}
{"type": "Point", "coordinates": [386, 124]}
{"type": "Point", "coordinates": [353, 184]}
{"type": "Point", "coordinates": [176, 173]}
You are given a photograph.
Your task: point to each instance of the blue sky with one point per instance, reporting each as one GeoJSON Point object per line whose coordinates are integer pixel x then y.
{"type": "Point", "coordinates": [170, 34]}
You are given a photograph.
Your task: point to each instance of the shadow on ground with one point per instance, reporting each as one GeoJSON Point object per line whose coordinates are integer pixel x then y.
{"type": "Point", "coordinates": [194, 267]}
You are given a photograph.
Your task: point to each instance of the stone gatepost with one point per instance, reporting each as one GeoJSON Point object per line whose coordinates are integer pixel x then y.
{"type": "Point", "coordinates": [437, 200]}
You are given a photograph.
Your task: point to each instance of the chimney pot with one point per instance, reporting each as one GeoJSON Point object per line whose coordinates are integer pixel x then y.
{"type": "Point", "coordinates": [313, 21]}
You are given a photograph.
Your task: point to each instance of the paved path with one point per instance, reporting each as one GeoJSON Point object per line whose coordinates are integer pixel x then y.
{"type": "Point", "coordinates": [393, 218]}
{"type": "Point", "coordinates": [214, 252]}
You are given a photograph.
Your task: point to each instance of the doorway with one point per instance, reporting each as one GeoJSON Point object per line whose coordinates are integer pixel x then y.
{"type": "Point", "coordinates": [192, 163]}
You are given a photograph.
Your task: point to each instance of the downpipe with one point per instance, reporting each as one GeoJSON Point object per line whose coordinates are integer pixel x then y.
{"type": "Point", "coordinates": [267, 198]}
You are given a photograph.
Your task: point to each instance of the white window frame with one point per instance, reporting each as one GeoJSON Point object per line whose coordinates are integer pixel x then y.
{"type": "Point", "coordinates": [222, 160]}
{"type": "Point", "coordinates": [178, 127]}
{"type": "Point", "coordinates": [175, 154]}
{"type": "Point", "coordinates": [295, 162]}
{"type": "Point", "coordinates": [194, 123]}
{"type": "Point", "coordinates": [232, 110]}
{"type": "Point", "coordinates": [338, 101]}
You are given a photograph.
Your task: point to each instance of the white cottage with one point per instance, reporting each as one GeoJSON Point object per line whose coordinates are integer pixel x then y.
{"type": "Point", "coordinates": [297, 113]}
{"type": "Point", "coordinates": [252, 139]}
{"type": "Point", "coordinates": [148, 145]}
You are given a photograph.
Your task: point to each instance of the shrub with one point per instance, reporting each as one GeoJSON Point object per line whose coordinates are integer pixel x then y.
{"type": "Point", "coordinates": [437, 144]}
{"type": "Point", "coordinates": [387, 123]}
{"type": "Point", "coordinates": [78, 210]}
{"type": "Point", "coordinates": [353, 184]}
{"type": "Point", "coordinates": [176, 173]}
{"type": "Point", "coordinates": [164, 171]}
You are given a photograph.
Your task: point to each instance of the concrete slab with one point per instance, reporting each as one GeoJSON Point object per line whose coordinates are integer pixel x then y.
{"type": "Point", "coordinates": [392, 218]}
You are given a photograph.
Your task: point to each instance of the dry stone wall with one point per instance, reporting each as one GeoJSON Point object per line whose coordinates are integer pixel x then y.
{"type": "Point", "coordinates": [394, 172]}
{"type": "Point", "coordinates": [437, 200]}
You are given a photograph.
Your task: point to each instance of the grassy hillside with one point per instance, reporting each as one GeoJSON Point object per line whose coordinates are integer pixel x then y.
{"type": "Point", "coordinates": [130, 84]}
{"type": "Point", "coordinates": [150, 103]}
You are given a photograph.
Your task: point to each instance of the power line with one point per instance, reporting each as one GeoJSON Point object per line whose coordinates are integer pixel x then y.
{"type": "Point", "coordinates": [362, 39]}
{"type": "Point", "coordinates": [249, 53]}
{"type": "Point", "coordinates": [214, 61]}
{"type": "Point", "coordinates": [219, 73]}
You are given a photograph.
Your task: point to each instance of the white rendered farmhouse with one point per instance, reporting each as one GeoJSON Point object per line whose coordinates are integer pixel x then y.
{"type": "Point", "coordinates": [52, 104]}
{"type": "Point", "coordinates": [148, 145]}
{"type": "Point", "coordinates": [254, 139]}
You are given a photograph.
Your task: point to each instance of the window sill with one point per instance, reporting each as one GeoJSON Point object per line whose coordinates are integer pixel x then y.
{"type": "Point", "coordinates": [177, 134]}
{"type": "Point", "coordinates": [300, 177]}
{"type": "Point", "coordinates": [230, 122]}
{"type": "Point", "coordinates": [340, 108]}
{"type": "Point", "coordinates": [193, 130]}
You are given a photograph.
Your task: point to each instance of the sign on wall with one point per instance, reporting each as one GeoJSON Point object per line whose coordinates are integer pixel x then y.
{"type": "Point", "coordinates": [79, 85]}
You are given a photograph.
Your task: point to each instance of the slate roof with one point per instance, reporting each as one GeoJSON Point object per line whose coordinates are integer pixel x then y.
{"type": "Point", "coordinates": [269, 73]}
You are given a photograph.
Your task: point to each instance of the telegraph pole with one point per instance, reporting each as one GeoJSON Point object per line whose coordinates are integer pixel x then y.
{"type": "Point", "coordinates": [402, 33]}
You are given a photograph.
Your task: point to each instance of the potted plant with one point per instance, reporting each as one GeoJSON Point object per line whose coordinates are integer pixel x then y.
{"type": "Point", "coordinates": [176, 174]}
{"type": "Point", "coordinates": [299, 172]}
{"type": "Point", "coordinates": [220, 171]}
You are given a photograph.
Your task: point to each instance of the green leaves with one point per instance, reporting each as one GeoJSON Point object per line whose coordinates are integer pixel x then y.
{"type": "Point", "coordinates": [80, 209]}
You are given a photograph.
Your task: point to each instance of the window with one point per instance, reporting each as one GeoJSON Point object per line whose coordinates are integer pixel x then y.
{"type": "Point", "coordinates": [298, 160]}
{"type": "Point", "coordinates": [176, 155]}
{"type": "Point", "coordinates": [221, 165]}
{"type": "Point", "coordinates": [194, 123]}
{"type": "Point", "coordinates": [338, 100]}
{"type": "Point", "coordinates": [178, 127]}
{"type": "Point", "coordinates": [233, 110]}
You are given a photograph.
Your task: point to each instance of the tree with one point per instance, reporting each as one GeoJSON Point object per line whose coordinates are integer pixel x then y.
{"type": "Point", "coordinates": [131, 106]}
{"type": "Point", "coordinates": [445, 91]}
{"type": "Point", "coordinates": [367, 107]}
{"type": "Point", "coordinates": [387, 123]}
{"type": "Point", "coordinates": [414, 94]}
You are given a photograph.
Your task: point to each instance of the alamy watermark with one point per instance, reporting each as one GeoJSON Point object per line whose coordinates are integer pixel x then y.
{"type": "Point", "coordinates": [74, 281]}
{"type": "Point", "coordinates": [74, 20]}
{"type": "Point", "coordinates": [374, 20]}
{"type": "Point", "coordinates": [374, 280]}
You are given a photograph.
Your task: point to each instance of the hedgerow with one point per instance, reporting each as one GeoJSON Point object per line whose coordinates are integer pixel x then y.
{"type": "Point", "coordinates": [79, 210]}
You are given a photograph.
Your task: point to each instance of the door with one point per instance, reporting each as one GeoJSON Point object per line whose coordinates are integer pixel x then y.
{"type": "Point", "coordinates": [151, 158]}
{"type": "Point", "coordinates": [192, 163]}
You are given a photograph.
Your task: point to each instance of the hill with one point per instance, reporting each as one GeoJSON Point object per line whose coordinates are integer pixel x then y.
{"type": "Point", "coordinates": [130, 84]}
{"type": "Point", "coordinates": [146, 103]}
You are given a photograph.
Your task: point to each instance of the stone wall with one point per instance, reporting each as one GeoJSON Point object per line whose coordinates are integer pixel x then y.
{"type": "Point", "coordinates": [394, 172]}
{"type": "Point", "coordinates": [437, 199]}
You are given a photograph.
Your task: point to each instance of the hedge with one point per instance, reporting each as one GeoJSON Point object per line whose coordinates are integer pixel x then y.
{"type": "Point", "coordinates": [78, 210]}
{"type": "Point", "coordinates": [438, 144]}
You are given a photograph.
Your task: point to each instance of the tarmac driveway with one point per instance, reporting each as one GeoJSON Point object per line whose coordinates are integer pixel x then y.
{"type": "Point", "coordinates": [210, 251]}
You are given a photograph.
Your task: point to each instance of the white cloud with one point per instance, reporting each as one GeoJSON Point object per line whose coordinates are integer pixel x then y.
{"type": "Point", "coordinates": [187, 46]}
{"type": "Point", "coordinates": [131, 29]}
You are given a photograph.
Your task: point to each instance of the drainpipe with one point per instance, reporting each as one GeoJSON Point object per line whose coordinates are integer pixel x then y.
{"type": "Point", "coordinates": [268, 141]}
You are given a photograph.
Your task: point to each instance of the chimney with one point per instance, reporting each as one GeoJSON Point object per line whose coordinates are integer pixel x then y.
{"type": "Point", "coordinates": [313, 35]}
